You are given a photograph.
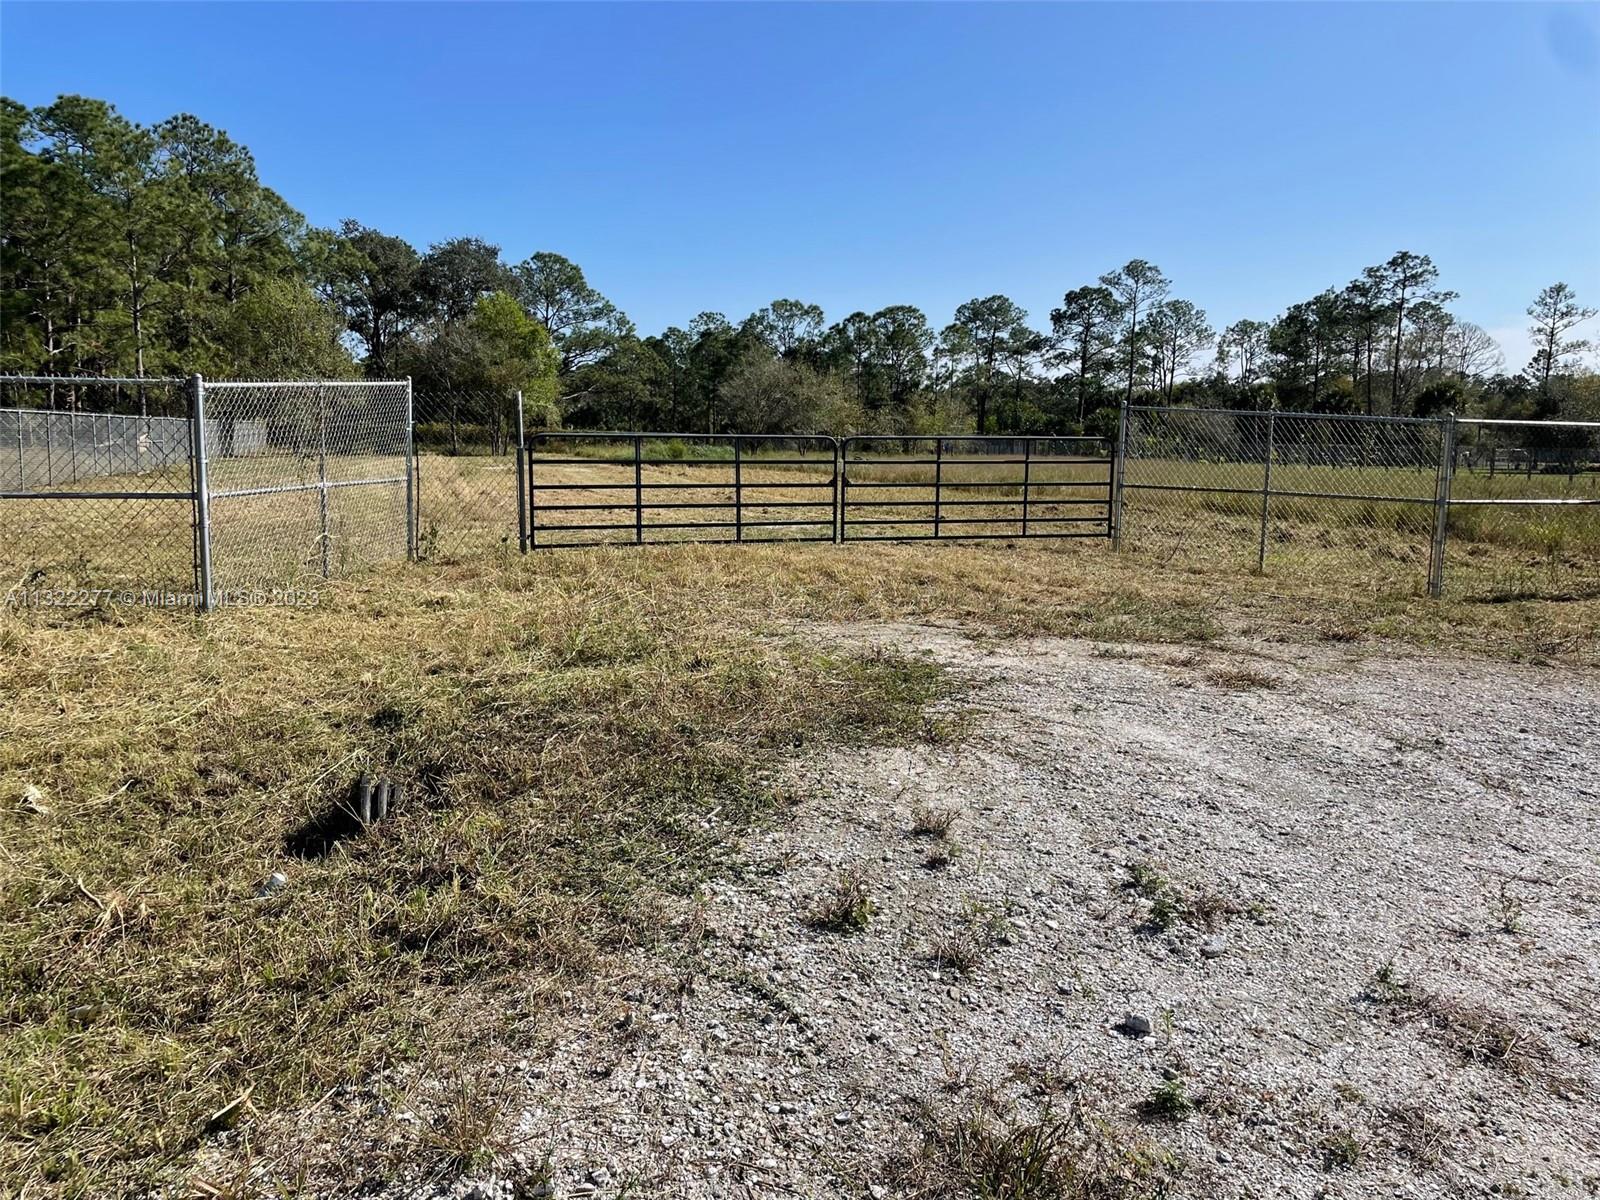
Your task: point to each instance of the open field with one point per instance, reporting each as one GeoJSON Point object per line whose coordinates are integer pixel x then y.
{"type": "Point", "coordinates": [580, 740]}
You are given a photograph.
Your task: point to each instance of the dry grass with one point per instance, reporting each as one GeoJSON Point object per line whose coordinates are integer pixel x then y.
{"type": "Point", "coordinates": [567, 748]}
{"type": "Point", "coordinates": [1474, 1032]}
{"type": "Point", "coordinates": [573, 734]}
{"type": "Point", "coordinates": [930, 822]}
{"type": "Point", "coordinates": [1241, 679]}
{"type": "Point", "coordinates": [992, 1150]}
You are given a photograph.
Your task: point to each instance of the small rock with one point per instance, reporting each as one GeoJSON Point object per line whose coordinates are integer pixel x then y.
{"type": "Point", "coordinates": [1214, 946]}
{"type": "Point", "coordinates": [1136, 1025]}
{"type": "Point", "coordinates": [842, 1118]}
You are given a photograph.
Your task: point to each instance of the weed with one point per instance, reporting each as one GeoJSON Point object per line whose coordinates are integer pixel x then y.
{"type": "Point", "coordinates": [980, 928]}
{"type": "Point", "coordinates": [1506, 908]}
{"type": "Point", "coordinates": [993, 1151]}
{"type": "Point", "coordinates": [940, 855]}
{"type": "Point", "coordinates": [1341, 1151]}
{"type": "Point", "coordinates": [1169, 1100]}
{"type": "Point", "coordinates": [847, 907]}
{"type": "Point", "coordinates": [929, 822]}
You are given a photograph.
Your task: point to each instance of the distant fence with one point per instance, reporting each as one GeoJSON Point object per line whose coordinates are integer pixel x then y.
{"type": "Point", "coordinates": [40, 448]}
{"type": "Point", "coordinates": [199, 491]}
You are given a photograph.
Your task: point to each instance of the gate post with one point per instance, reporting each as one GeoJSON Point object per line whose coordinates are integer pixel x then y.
{"type": "Point", "coordinates": [522, 492]}
{"type": "Point", "coordinates": [938, 484]}
{"type": "Point", "coordinates": [411, 470]}
{"type": "Point", "coordinates": [322, 474]}
{"type": "Point", "coordinates": [202, 493]}
{"type": "Point", "coordinates": [841, 486]}
{"type": "Point", "coordinates": [638, 490]}
{"type": "Point", "coordinates": [1119, 451]}
{"type": "Point", "coordinates": [1441, 503]}
{"type": "Point", "coordinates": [738, 489]}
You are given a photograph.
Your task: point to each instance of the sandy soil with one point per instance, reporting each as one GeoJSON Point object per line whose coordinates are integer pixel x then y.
{"type": "Point", "coordinates": [1310, 814]}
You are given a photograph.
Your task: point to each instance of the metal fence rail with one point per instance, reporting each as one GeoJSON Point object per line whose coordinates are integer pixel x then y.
{"type": "Point", "coordinates": [597, 489]}
{"type": "Point", "coordinates": [934, 488]}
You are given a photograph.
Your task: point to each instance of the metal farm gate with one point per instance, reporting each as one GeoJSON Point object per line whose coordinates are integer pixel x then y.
{"type": "Point", "coordinates": [588, 489]}
{"type": "Point", "coordinates": [927, 488]}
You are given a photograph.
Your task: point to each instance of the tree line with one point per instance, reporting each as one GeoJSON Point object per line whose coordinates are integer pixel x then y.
{"type": "Point", "coordinates": [127, 249]}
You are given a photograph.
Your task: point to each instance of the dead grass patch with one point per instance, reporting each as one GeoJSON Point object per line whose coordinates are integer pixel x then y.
{"type": "Point", "coordinates": [991, 1150]}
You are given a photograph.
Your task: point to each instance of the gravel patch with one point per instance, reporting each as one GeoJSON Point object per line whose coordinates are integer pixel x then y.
{"type": "Point", "coordinates": [1298, 911]}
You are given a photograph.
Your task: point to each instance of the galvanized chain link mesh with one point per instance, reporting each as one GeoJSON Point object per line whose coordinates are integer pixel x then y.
{"type": "Point", "coordinates": [1524, 511]}
{"type": "Point", "coordinates": [306, 480]}
{"type": "Point", "coordinates": [466, 469]}
{"type": "Point", "coordinates": [95, 489]}
{"type": "Point", "coordinates": [1284, 491]}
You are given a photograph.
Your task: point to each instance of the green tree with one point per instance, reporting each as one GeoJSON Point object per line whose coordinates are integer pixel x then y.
{"type": "Point", "coordinates": [1556, 313]}
{"type": "Point", "coordinates": [374, 279]}
{"type": "Point", "coordinates": [1138, 287]}
{"type": "Point", "coordinates": [988, 323]}
{"type": "Point", "coordinates": [1085, 327]}
{"type": "Point", "coordinates": [583, 324]}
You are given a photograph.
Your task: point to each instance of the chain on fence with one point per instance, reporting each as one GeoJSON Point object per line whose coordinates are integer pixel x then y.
{"type": "Point", "coordinates": [96, 486]}
{"type": "Point", "coordinates": [466, 472]}
{"type": "Point", "coordinates": [304, 480]}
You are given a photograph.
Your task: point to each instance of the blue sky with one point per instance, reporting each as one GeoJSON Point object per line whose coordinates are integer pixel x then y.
{"type": "Point", "coordinates": [697, 157]}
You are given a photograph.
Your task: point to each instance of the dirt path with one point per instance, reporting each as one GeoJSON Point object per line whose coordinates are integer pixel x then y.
{"type": "Point", "coordinates": [1298, 818]}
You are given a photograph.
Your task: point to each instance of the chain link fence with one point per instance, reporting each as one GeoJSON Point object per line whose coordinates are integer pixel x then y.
{"type": "Point", "coordinates": [197, 492]}
{"type": "Point", "coordinates": [467, 498]}
{"type": "Point", "coordinates": [192, 493]}
{"type": "Point", "coordinates": [97, 490]}
{"type": "Point", "coordinates": [304, 480]}
{"type": "Point", "coordinates": [1396, 504]}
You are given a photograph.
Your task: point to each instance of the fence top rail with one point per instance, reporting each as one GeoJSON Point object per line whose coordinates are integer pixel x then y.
{"type": "Point", "coordinates": [618, 435]}
{"type": "Point", "coordinates": [214, 384]}
{"type": "Point", "coordinates": [1530, 424]}
{"type": "Point", "coordinates": [974, 437]}
{"type": "Point", "coordinates": [123, 380]}
{"type": "Point", "coordinates": [1279, 412]}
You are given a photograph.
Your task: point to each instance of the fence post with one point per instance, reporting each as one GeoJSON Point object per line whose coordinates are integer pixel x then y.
{"type": "Point", "coordinates": [738, 490]}
{"type": "Point", "coordinates": [411, 473]}
{"type": "Point", "coordinates": [202, 492]}
{"type": "Point", "coordinates": [1027, 463]}
{"type": "Point", "coordinates": [938, 484]}
{"type": "Point", "coordinates": [322, 472]}
{"type": "Point", "coordinates": [522, 493]}
{"type": "Point", "coordinates": [1119, 452]}
{"type": "Point", "coordinates": [1441, 503]}
{"type": "Point", "coordinates": [22, 461]}
{"type": "Point", "coordinates": [638, 490]}
{"type": "Point", "coordinates": [1266, 492]}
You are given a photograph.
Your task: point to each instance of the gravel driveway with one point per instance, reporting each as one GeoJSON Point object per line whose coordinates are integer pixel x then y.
{"type": "Point", "coordinates": [1270, 920]}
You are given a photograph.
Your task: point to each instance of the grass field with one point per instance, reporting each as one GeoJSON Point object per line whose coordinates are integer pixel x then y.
{"type": "Point", "coordinates": [573, 733]}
